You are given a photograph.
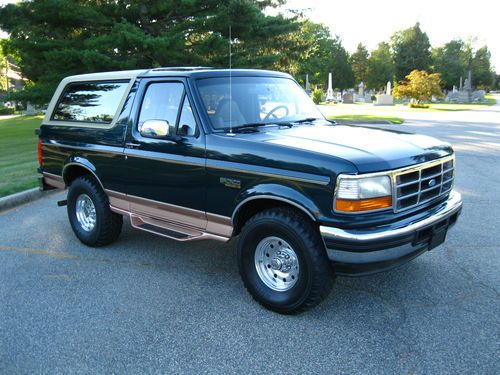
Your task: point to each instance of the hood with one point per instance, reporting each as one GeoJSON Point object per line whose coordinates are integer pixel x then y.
{"type": "Point", "coordinates": [369, 149]}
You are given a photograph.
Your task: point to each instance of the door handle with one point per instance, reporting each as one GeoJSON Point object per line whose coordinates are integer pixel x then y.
{"type": "Point", "coordinates": [132, 145]}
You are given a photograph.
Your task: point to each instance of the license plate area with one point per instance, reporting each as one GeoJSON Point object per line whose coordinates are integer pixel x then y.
{"type": "Point", "coordinates": [434, 235]}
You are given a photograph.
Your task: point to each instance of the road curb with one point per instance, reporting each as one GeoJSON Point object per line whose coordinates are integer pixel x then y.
{"type": "Point", "coordinates": [23, 197]}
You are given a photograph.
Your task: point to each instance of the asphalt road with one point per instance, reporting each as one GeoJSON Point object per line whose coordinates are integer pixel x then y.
{"type": "Point", "coordinates": [151, 305]}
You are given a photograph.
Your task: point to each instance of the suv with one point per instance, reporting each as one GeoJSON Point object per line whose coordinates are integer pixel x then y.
{"type": "Point", "coordinates": [201, 153]}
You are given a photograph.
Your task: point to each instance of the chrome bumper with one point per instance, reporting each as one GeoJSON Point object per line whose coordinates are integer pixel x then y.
{"type": "Point", "coordinates": [371, 250]}
{"type": "Point", "coordinates": [451, 206]}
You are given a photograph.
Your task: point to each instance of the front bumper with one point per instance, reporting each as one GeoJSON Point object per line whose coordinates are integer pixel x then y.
{"type": "Point", "coordinates": [357, 252]}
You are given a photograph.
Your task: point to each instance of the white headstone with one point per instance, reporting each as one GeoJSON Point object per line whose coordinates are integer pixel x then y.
{"type": "Point", "coordinates": [329, 92]}
{"type": "Point", "coordinates": [388, 90]}
{"type": "Point", "coordinates": [30, 110]}
{"type": "Point", "coordinates": [361, 89]}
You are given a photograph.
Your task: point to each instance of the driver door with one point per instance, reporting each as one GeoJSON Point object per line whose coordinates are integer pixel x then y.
{"type": "Point", "coordinates": [166, 176]}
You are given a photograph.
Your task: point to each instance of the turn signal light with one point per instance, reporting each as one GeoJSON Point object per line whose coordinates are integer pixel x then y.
{"type": "Point", "coordinates": [347, 205]}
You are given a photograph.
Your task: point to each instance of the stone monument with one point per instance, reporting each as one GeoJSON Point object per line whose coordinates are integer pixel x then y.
{"type": "Point", "coordinates": [30, 110]}
{"type": "Point", "coordinates": [386, 99]}
{"type": "Point", "coordinates": [360, 97]}
{"type": "Point", "coordinates": [329, 92]}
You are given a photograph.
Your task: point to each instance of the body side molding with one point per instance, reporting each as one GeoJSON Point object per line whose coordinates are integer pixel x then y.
{"type": "Point", "coordinates": [146, 214]}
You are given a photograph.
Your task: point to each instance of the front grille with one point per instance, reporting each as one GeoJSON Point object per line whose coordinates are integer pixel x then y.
{"type": "Point", "coordinates": [423, 183]}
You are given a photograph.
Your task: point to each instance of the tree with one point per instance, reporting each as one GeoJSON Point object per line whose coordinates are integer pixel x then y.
{"type": "Point", "coordinates": [420, 86]}
{"type": "Point", "coordinates": [57, 38]}
{"type": "Point", "coordinates": [451, 62]}
{"type": "Point", "coordinates": [359, 63]}
{"type": "Point", "coordinates": [380, 67]}
{"type": "Point", "coordinates": [483, 76]}
{"type": "Point", "coordinates": [411, 50]}
{"type": "Point", "coordinates": [325, 54]}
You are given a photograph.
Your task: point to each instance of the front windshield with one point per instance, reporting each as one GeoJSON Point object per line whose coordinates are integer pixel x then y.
{"type": "Point", "coordinates": [255, 100]}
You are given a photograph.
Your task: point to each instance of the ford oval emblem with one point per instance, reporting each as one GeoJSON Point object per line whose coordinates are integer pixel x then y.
{"type": "Point", "coordinates": [432, 182]}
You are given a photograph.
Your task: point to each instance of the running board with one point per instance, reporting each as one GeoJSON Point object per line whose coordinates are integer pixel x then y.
{"type": "Point", "coordinates": [171, 230]}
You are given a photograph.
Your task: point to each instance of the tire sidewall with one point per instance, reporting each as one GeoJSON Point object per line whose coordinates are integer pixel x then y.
{"type": "Point", "coordinates": [250, 238]}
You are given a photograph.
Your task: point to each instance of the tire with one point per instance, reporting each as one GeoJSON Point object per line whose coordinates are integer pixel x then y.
{"type": "Point", "coordinates": [92, 221]}
{"type": "Point", "coordinates": [283, 240]}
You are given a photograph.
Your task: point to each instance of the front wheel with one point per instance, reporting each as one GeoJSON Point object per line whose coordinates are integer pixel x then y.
{"type": "Point", "coordinates": [282, 261]}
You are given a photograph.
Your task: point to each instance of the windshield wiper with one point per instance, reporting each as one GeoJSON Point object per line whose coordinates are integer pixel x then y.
{"type": "Point", "coordinates": [253, 125]}
{"type": "Point", "coordinates": [308, 119]}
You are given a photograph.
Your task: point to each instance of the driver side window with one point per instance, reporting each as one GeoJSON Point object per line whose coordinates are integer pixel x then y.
{"type": "Point", "coordinates": [167, 101]}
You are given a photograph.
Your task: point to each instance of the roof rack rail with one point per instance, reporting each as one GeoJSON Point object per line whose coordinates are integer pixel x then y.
{"type": "Point", "coordinates": [181, 68]}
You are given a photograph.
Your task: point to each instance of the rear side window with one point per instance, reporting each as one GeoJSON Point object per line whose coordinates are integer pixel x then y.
{"type": "Point", "coordinates": [94, 102]}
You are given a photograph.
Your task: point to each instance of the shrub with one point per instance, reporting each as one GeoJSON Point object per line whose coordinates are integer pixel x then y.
{"type": "Point", "coordinates": [6, 111]}
{"type": "Point", "coordinates": [418, 105]}
{"type": "Point", "coordinates": [317, 96]}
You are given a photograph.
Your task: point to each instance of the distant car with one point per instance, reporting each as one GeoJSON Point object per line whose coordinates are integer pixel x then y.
{"type": "Point", "coordinates": [199, 153]}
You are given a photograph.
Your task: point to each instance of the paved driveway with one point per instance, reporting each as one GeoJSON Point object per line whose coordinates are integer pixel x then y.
{"type": "Point", "coordinates": [150, 305]}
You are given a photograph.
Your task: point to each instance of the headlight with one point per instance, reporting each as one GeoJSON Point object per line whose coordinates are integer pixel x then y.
{"type": "Point", "coordinates": [357, 193]}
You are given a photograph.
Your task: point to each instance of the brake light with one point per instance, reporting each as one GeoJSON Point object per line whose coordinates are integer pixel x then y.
{"type": "Point", "coordinates": [40, 159]}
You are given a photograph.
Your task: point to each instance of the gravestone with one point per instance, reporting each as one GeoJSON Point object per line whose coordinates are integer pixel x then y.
{"type": "Point", "coordinates": [348, 98]}
{"type": "Point", "coordinates": [386, 99]}
{"type": "Point", "coordinates": [329, 92]}
{"type": "Point", "coordinates": [30, 110]}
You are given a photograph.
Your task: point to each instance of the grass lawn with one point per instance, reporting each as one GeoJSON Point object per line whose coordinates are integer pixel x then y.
{"type": "Point", "coordinates": [367, 118]}
{"type": "Point", "coordinates": [434, 107]}
{"type": "Point", "coordinates": [18, 154]}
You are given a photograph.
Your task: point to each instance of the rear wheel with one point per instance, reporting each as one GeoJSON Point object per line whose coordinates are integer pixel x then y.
{"type": "Point", "coordinates": [282, 261]}
{"type": "Point", "coordinates": [89, 214]}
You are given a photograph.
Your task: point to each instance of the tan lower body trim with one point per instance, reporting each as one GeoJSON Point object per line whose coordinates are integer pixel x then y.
{"type": "Point", "coordinates": [54, 180]}
{"type": "Point", "coordinates": [193, 224]}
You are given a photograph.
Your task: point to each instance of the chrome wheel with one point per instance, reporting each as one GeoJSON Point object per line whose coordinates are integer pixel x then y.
{"type": "Point", "coordinates": [85, 212]}
{"type": "Point", "coordinates": [276, 263]}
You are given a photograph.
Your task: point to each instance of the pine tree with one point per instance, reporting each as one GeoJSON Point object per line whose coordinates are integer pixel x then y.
{"type": "Point", "coordinates": [359, 63]}
{"type": "Point", "coordinates": [57, 38]}
{"type": "Point", "coordinates": [411, 49]}
{"type": "Point", "coordinates": [380, 67]}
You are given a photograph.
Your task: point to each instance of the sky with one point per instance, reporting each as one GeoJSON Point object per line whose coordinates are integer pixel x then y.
{"type": "Point", "coordinates": [373, 21]}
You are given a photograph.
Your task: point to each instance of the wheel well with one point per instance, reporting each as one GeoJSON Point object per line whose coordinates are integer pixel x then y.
{"type": "Point", "coordinates": [74, 171]}
{"type": "Point", "coordinates": [254, 206]}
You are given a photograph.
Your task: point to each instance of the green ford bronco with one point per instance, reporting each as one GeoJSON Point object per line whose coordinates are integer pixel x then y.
{"type": "Point", "coordinates": [201, 153]}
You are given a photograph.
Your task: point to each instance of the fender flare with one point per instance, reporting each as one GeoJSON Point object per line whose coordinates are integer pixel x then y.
{"type": "Point", "coordinates": [78, 161]}
{"type": "Point", "coordinates": [278, 193]}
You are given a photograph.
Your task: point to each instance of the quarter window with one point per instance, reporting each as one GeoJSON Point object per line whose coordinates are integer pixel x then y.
{"type": "Point", "coordinates": [95, 102]}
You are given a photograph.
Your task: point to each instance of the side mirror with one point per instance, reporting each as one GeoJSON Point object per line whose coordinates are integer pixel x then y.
{"type": "Point", "coordinates": [155, 129]}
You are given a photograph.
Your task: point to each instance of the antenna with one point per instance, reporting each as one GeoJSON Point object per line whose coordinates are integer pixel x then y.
{"type": "Point", "coordinates": [230, 85]}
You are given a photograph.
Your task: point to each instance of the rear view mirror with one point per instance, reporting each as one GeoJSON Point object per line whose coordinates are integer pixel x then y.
{"type": "Point", "coordinates": [155, 129]}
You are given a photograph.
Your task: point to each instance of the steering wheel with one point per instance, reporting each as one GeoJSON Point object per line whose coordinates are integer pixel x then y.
{"type": "Point", "coordinates": [271, 112]}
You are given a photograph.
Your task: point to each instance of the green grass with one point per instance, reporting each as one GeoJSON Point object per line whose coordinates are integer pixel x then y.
{"type": "Point", "coordinates": [18, 154]}
{"type": "Point", "coordinates": [433, 107]}
{"type": "Point", "coordinates": [367, 118]}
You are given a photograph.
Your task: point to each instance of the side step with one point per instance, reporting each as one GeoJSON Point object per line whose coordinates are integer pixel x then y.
{"type": "Point", "coordinates": [165, 228]}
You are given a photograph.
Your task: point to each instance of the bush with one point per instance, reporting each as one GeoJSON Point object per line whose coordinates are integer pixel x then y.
{"type": "Point", "coordinates": [418, 105]}
{"type": "Point", "coordinates": [317, 96]}
{"type": "Point", "coordinates": [6, 111]}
